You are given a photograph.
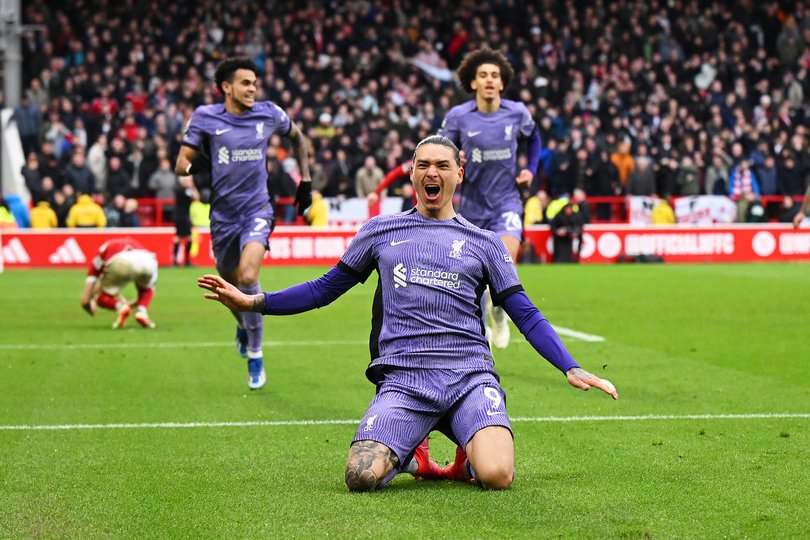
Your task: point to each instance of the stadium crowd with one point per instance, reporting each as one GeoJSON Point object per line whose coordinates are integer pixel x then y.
{"type": "Point", "coordinates": [638, 97]}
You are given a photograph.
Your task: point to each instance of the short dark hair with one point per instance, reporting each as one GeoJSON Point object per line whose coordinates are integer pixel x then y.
{"type": "Point", "coordinates": [441, 140]}
{"type": "Point", "coordinates": [228, 67]}
{"type": "Point", "coordinates": [469, 66]}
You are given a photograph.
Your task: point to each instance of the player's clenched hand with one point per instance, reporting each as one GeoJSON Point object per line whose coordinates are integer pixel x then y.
{"type": "Point", "coordinates": [524, 179]}
{"type": "Point", "coordinates": [225, 293]}
{"type": "Point", "coordinates": [580, 378]}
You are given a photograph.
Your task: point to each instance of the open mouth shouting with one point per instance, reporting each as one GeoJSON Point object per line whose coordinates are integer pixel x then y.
{"type": "Point", "coordinates": [432, 191]}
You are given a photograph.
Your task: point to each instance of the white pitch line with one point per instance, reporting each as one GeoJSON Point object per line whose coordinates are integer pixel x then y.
{"type": "Point", "coordinates": [272, 423]}
{"type": "Point", "coordinates": [179, 345]}
{"type": "Point", "coordinates": [578, 335]}
{"type": "Point", "coordinates": [216, 344]}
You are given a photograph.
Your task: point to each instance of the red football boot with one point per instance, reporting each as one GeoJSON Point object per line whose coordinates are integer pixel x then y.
{"type": "Point", "coordinates": [455, 471]}
{"type": "Point", "coordinates": [427, 469]}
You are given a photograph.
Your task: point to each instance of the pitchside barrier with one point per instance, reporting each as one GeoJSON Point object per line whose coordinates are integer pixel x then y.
{"type": "Point", "coordinates": [289, 246]}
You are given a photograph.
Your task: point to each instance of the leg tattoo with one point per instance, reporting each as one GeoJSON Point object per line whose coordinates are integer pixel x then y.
{"type": "Point", "coordinates": [369, 462]}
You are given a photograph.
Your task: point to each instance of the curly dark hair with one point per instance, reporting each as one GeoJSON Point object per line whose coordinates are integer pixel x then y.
{"type": "Point", "coordinates": [468, 67]}
{"type": "Point", "coordinates": [227, 68]}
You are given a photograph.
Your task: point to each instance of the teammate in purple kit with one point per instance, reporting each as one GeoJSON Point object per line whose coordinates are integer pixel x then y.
{"type": "Point", "coordinates": [235, 135]}
{"type": "Point", "coordinates": [430, 358]}
{"type": "Point", "coordinates": [487, 130]}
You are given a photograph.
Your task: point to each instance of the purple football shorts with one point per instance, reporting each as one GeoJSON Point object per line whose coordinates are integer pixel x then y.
{"type": "Point", "coordinates": [229, 239]}
{"type": "Point", "coordinates": [410, 403]}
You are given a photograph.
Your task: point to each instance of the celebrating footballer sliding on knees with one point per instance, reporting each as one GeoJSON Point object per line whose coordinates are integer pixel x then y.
{"type": "Point", "coordinates": [430, 360]}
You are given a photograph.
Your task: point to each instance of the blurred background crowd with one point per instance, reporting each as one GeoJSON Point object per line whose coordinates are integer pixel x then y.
{"type": "Point", "coordinates": [638, 97]}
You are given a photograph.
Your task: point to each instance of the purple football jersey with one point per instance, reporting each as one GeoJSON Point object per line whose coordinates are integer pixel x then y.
{"type": "Point", "coordinates": [432, 273]}
{"type": "Point", "coordinates": [237, 145]}
{"type": "Point", "coordinates": [490, 143]}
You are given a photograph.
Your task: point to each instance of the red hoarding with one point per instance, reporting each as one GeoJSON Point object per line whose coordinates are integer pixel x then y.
{"type": "Point", "coordinates": [306, 246]}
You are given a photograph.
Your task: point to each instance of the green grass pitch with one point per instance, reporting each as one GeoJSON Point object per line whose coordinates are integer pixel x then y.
{"type": "Point", "coordinates": [710, 437]}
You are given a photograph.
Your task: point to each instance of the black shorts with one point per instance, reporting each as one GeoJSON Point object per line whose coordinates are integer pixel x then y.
{"type": "Point", "coordinates": [183, 226]}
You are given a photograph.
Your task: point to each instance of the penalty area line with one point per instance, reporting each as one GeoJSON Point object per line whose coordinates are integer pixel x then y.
{"type": "Point", "coordinates": [282, 423]}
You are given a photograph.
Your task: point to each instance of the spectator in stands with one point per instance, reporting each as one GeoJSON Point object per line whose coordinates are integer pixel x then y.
{"type": "Point", "coordinates": [114, 210]}
{"type": "Point", "coordinates": [43, 216]}
{"type": "Point", "coordinates": [754, 212]}
{"type": "Point", "coordinates": [281, 185]}
{"type": "Point", "coordinates": [19, 209]}
{"type": "Point", "coordinates": [583, 207]}
{"type": "Point", "coordinates": [787, 210]}
{"type": "Point", "coordinates": [63, 201]}
{"type": "Point", "coordinates": [317, 215]}
{"type": "Point", "coordinates": [534, 211]}
{"type": "Point", "coordinates": [687, 179]}
{"type": "Point", "coordinates": [7, 221]}
{"type": "Point", "coordinates": [130, 216]}
{"type": "Point", "coordinates": [97, 162]}
{"type": "Point", "coordinates": [624, 162]}
{"type": "Point", "coordinates": [29, 124]}
{"type": "Point", "coordinates": [767, 176]}
{"type": "Point", "coordinates": [788, 176]}
{"type": "Point", "coordinates": [56, 133]}
{"type": "Point", "coordinates": [566, 228]}
{"type": "Point", "coordinates": [119, 181]}
{"type": "Point", "coordinates": [606, 183]}
{"type": "Point", "coordinates": [662, 212]}
{"type": "Point", "coordinates": [559, 170]}
{"type": "Point", "coordinates": [86, 213]}
{"type": "Point", "coordinates": [163, 181]}
{"type": "Point", "coordinates": [743, 182]}
{"type": "Point", "coordinates": [339, 177]}
{"type": "Point", "coordinates": [717, 174]}
{"type": "Point", "coordinates": [32, 174]}
{"type": "Point", "coordinates": [368, 177]}
{"type": "Point", "coordinates": [78, 175]}
{"type": "Point", "coordinates": [49, 164]}
{"type": "Point", "coordinates": [47, 190]}
{"type": "Point", "coordinates": [325, 129]}
{"type": "Point", "coordinates": [641, 180]}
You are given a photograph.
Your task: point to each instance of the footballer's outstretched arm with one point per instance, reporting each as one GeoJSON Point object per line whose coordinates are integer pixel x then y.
{"type": "Point", "coordinates": [541, 335]}
{"type": "Point", "coordinates": [296, 299]}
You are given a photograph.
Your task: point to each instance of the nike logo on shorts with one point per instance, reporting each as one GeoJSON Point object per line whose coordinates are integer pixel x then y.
{"type": "Point", "coordinates": [221, 131]}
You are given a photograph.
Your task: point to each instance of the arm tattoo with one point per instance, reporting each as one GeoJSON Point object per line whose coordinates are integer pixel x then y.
{"type": "Point", "coordinates": [364, 457]}
{"type": "Point", "coordinates": [299, 144]}
{"type": "Point", "coordinates": [579, 373]}
{"type": "Point", "coordinates": [258, 303]}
